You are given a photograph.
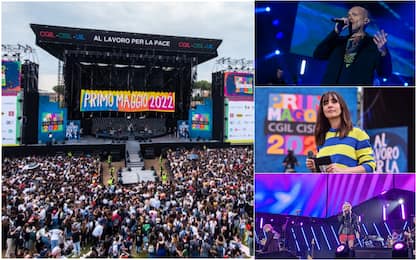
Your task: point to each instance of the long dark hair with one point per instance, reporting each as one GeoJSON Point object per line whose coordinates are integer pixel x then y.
{"type": "Point", "coordinates": [322, 123]}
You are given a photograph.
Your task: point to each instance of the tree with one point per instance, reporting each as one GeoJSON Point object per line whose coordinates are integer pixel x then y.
{"type": "Point", "coordinates": [59, 89]}
{"type": "Point", "coordinates": [202, 84]}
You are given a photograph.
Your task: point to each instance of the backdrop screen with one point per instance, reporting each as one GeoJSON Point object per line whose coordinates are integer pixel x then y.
{"type": "Point", "coordinates": [322, 195]}
{"type": "Point", "coordinates": [52, 122]}
{"type": "Point", "coordinates": [10, 76]}
{"type": "Point", "coordinates": [126, 101]}
{"type": "Point", "coordinates": [238, 84]}
{"type": "Point", "coordinates": [285, 120]}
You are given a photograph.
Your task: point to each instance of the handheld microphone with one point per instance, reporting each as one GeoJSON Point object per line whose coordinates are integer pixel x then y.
{"type": "Point", "coordinates": [338, 20]}
{"type": "Point", "coordinates": [310, 155]}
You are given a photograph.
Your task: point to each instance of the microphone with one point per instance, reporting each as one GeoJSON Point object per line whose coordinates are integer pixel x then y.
{"type": "Point", "coordinates": [310, 155]}
{"type": "Point", "coordinates": [338, 20]}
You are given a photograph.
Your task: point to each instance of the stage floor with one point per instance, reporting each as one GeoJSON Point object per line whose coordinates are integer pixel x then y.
{"type": "Point", "coordinates": [88, 140]}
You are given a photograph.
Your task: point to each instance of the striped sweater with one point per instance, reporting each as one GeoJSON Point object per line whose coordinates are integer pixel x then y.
{"type": "Point", "coordinates": [353, 150]}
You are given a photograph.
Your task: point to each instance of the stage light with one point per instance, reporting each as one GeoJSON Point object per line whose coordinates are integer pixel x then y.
{"type": "Point", "coordinates": [403, 215]}
{"type": "Point", "coordinates": [279, 35]}
{"type": "Point", "coordinates": [399, 250]}
{"type": "Point", "coordinates": [261, 222]}
{"type": "Point", "coordinates": [342, 251]}
{"type": "Point", "coordinates": [401, 201]}
{"type": "Point", "coordinates": [302, 67]}
{"type": "Point", "coordinates": [384, 79]}
{"type": "Point", "coordinates": [326, 238]}
{"type": "Point", "coordinates": [277, 52]}
{"type": "Point", "coordinates": [276, 22]}
{"type": "Point", "coordinates": [384, 213]}
{"type": "Point", "coordinates": [267, 9]}
{"type": "Point", "coordinates": [406, 84]}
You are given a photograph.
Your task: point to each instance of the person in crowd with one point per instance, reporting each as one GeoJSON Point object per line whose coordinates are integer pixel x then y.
{"type": "Point", "coordinates": [64, 201]}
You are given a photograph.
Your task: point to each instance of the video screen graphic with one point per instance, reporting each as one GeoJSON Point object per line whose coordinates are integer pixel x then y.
{"type": "Point", "coordinates": [200, 122]}
{"type": "Point", "coordinates": [290, 122]}
{"type": "Point", "coordinates": [126, 101]}
{"type": "Point", "coordinates": [52, 122]}
{"type": "Point", "coordinates": [238, 84]}
{"type": "Point", "coordinates": [390, 149]}
{"type": "Point", "coordinates": [11, 76]}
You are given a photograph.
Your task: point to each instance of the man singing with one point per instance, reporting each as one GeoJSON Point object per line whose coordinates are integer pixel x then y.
{"type": "Point", "coordinates": [352, 60]}
{"type": "Point", "coordinates": [350, 228]}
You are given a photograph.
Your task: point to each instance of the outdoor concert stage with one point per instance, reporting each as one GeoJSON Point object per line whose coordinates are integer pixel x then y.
{"type": "Point", "coordinates": [380, 217]}
{"type": "Point", "coordinates": [103, 147]}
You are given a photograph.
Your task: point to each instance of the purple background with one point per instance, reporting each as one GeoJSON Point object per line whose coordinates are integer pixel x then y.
{"type": "Point", "coordinates": [322, 195]}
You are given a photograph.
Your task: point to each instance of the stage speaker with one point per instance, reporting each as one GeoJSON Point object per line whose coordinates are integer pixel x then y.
{"type": "Point", "coordinates": [342, 251]}
{"type": "Point", "coordinates": [30, 118]}
{"type": "Point", "coordinates": [400, 250]}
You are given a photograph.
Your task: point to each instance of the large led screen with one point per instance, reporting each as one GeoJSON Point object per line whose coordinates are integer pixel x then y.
{"type": "Point", "coordinates": [52, 122]}
{"type": "Point", "coordinates": [10, 76]}
{"type": "Point", "coordinates": [126, 101]}
{"type": "Point", "coordinates": [285, 120]}
{"type": "Point", "coordinates": [238, 84]}
{"type": "Point", "coordinates": [322, 195]}
{"type": "Point", "coordinates": [291, 194]}
{"type": "Point", "coordinates": [239, 122]}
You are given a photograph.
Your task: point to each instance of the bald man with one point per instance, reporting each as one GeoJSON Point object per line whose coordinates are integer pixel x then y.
{"type": "Point", "coordinates": [354, 60]}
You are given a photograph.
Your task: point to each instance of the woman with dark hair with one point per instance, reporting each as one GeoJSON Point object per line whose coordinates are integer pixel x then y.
{"type": "Point", "coordinates": [348, 146]}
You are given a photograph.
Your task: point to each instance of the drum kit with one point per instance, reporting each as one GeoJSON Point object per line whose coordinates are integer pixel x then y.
{"type": "Point", "coordinates": [373, 241]}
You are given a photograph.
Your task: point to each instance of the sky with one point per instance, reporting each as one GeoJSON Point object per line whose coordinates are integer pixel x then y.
{"type": "Point", "coordinates": [233, 22]}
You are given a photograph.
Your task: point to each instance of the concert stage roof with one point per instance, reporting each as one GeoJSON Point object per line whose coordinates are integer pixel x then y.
{"type": "Point", "coordinates": [58, 40]}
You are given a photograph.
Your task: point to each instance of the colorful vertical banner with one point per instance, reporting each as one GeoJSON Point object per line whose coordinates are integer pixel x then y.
{"type": "Point", "coordinates": [10, 116]}
{"type": "Point", "coordinates": [239, 121]}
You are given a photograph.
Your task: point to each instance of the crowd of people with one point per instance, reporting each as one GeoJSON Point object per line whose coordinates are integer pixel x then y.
{"type": "Point", "coordinates": [57, 206]}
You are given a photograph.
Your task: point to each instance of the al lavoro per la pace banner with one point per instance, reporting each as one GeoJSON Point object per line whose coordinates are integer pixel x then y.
{"type": "Point", "coordinates": [126, 101]}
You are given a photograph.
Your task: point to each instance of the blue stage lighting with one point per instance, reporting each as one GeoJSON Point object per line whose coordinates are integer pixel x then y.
{"type": "Point", "coordinates": [279, 35]}
{"type": "Point", "coordinates": [276, 22]}
{"type": "Point", "coordinates": [277, 52]}
{"type": "Point", "coordinates": [406, 84]}
{"type": "Point", "coordinates": [384, 79]}
{"type": "Point", "coordinates": [267, 9]}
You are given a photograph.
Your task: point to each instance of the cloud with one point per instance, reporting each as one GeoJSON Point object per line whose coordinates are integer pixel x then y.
{"type": "Point", "coordinates": [233, 22]}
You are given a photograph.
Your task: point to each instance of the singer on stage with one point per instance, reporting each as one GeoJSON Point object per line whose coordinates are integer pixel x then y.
{"type": "Point", "coordinates": [349, 228]}
{"type": "Point", "coordinates": [352, 60]}
{"type": "Point", "coordinates": [348, 147]}
{"type": "Point", "coordinates": [270, 242]}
